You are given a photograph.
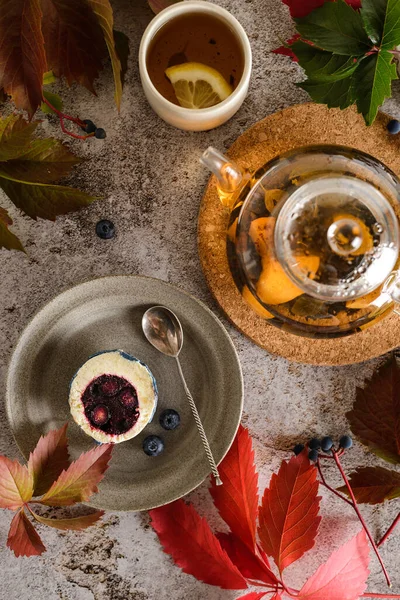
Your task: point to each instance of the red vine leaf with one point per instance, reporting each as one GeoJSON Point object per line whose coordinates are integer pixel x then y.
{"type": "Point", "coordinates": [288, 515]}
{"type": "Point", "coordinates": [248, 563]}
{"type": "Point", "coordinates": [16, 484]}
{"type": "Point", "coordinates": [237, 499]}
{"type": "Point", "coordinates": [343, 576]}
{"type": "Point", "coordinates": [23, 538]}
{"type": "Point", "coordinates": [287, 50]}
{"type": "Point", "coordinates": [74, 524]}
{"type": "Point", "coordinates": [255, 596]}
{"type": "Point", "coordinates": [188, 539]}
{"type": "Point", "coordinates": [80, 480]}
{"type": "Point", "coordinates": [375, 418]}
{"type": "Point", "coordinates": [22, 55]}
{"type": "Point", "coordinates": [302, 8]}
{"type": "Point", "coordinates": [374, 485]}
{"type": "Point", "coordinates": [49, 459]}
{"type": "Point", "coordinates": [159, 5]}
{"type": "Point", "coordinates": [74, 42]}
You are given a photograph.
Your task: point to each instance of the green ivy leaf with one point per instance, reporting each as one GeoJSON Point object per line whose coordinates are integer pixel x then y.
{"type": "Point", "coordinates": [382, 22]}
{"type": "Point", "coordinates": [41, 199]}
{"type": "Point", "coordinates": [15, 136]}
{"type": "Point", "coordinates": [373, 83]}
{"type": "Point", "coordinates": [320, 65]}
{"type": "Point", "coordinates": [54, 100]}
{"type": "Point", "coordinates": [7, 239]}
{"type": "Point", "coordinates": [45, 161]}
{"type": "Point", "coordinates": [335, 94]}
{"type": "Point", "coordinates": [49, 77]}
{"type": "Point", "coordinates": [335, 27]}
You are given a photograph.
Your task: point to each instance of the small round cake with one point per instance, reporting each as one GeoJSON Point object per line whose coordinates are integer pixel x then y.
{"type": "Point", "coordinates": [113, 396]}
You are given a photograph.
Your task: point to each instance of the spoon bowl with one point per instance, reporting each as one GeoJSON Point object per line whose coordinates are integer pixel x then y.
{"type": "Point", "coordinates": [163, 330]}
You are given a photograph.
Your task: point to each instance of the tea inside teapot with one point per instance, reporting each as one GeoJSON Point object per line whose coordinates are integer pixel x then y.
{"type": "Point", "coordinates": [313, 238]}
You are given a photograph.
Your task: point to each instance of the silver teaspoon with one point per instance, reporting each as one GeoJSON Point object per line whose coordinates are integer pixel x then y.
{"type": "Point", "coordinates": [163, 330]}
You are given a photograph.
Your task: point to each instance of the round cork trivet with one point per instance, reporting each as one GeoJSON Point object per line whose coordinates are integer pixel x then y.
{"type": "Point", "coordinates": [293, 127]}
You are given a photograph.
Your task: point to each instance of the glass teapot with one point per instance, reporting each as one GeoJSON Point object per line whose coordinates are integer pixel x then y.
{"type": "Point", "coordinates": [313, 238]}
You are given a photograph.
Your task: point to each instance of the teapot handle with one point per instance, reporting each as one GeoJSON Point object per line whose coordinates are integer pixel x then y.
{"type": "Point", "coordinates": [230, 176]}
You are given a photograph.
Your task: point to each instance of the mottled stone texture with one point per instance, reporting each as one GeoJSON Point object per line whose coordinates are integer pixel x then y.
{"type": "Point", "coordinates": [151, 181]}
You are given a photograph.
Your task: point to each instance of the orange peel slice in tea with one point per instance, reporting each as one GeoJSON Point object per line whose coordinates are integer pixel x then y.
{"type": "Point", "coordinates": [255, 305]}
{"type": "Point", "coordinates": [198, 86]}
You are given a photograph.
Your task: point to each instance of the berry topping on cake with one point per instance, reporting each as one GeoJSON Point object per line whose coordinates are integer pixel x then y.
{"type": "Point", "coordinates": [113, 396]}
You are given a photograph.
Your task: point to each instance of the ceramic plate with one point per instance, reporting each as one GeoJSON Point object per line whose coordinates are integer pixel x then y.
{"type": "Point", "coordinates": [105, 314]}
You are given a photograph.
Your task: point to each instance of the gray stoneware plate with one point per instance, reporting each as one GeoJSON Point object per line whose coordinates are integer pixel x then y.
{"type": "Point", "coordinates": [105, 314]}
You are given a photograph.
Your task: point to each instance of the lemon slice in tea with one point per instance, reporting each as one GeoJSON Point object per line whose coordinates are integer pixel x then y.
{"type": "Point", "coordinates": [197, 85]}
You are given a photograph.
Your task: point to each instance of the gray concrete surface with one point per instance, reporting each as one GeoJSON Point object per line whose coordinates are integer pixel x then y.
{"type": "Point", "coordinates": [152, 183]}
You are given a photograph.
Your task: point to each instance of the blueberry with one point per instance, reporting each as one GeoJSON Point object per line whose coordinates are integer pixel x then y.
{"type": "Point", "coordinates": [100, 134]}
{"type": "Point", "coordinates": [326, 443]}
{"type": "Point", "coordinates": [100, 415]}
{"type": "Point", "coordinates": [298, 449]}
{"type": "Point", "coordinates": [90, 126]}
{"type": "Point", "coordinates": [105, 229]}
{"type": "Point", "coordinates": [170, 419]}
{"type": "Point", "coordinates": [153, 445]}
{"type": "Point", "coordinates": [393, 126]}
{"type": "Point", "coordinates": [313, 455]}
{"type": "Point", "coordinates": [314, 444]}
{"type": "Point", "coordinates": [345, 442]}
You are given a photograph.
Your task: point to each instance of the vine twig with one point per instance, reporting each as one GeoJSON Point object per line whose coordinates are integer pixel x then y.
{"type": "Point", "coordinates": [389, 531]}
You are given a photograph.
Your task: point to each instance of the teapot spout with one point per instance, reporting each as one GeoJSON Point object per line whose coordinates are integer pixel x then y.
{"type": "Point", "coordinates": [230, 177]}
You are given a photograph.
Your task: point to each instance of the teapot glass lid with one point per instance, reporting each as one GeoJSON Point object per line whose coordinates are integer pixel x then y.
{"type": "Point", "coordinates": [350, 229]}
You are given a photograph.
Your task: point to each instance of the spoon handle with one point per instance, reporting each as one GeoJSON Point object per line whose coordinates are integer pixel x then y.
{"type": "Point", "coordinates": [200, 427]}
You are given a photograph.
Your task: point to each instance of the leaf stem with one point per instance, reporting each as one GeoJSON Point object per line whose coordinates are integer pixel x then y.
{"type": "Point", "coordinates": [331, 489]}
{"type": "Point", "coordinates": [63, 116]}
{"type": "Point", "coordinates": [389, 531]}
{"type": "Point", "coordinates": [359, 515]}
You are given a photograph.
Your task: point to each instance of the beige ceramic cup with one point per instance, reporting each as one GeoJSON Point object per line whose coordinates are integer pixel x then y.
{"type": "Point", "coordinates": [187, 118]}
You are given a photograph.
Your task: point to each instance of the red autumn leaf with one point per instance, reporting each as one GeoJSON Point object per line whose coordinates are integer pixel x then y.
{"type": "Point", "coordinates": [22, 56]}
{"type": "Point", "coordinates": [48, 460]}
{"type": "Point", "coordinates": [375, 418]}
{"type": "Point", "coordinates": [237, 499]}
{"type": "Point", "coordinates": [74, 41]}
{"type": "Point", "coordinates": [248, 563]}
{"type": "Point", "coordinates": [23, 538]}
{"type": "Point", "coordinates": [16, 484]}
{"type": "Point", "coordinates": [343, 576]}
{"type": "Point", "coordinates": [188, 539]}
{"type": "Point", "coordinates": [302, 8]}
{"type": "Point", "coordinates": [288, 515]}
{"type": "Point", "coordinates": [74, 523]}
{"type": "Point", "coordinates": [374, 485]}
{"type": "Point", "coordinates": [287, 50]}
{"type": "Point", "coordinates": [80, 480]}
{"type": "Point", "coordinates": [255, 596]}
{"type": "Point", "coordinates": [7, 238]}
{"type": "Point", "coordinates": [159, 5]}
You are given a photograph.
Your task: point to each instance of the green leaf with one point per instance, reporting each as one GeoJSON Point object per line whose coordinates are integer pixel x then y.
{"type": "Point", "coordinates": [375, 418]}
{"type": "Point", "coordinates": [54, 100]}
{"type": "Point", "coordinates": [72, 524]}
{"type": "Point", "coordinates": [335, 27]}
{"type": "Point", "coordinates": [374, 485]}
{"type": "Point", "coordinates": [335, 94]}
{"type": "Point", "coordinates": [7, 239]}
{"type": "Point", "coordinates": [104, 13]}
{"type": "Point", "coordinates": [43, 200]}
{"type": "Point", "coordinates": [321, 65]}
{"type": "Point", "coordinates": [45, 161]}
{"type": "Point", "coordinates": [49, 77]}
{"type": "Point", "coordinates": [382, 22]}
{"type": "Point", "coordinates": [373, 83]}
{"type": "Point", "coordinates": [123, 50]}
{"type": "Point", "coordinates": [15, 136]}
